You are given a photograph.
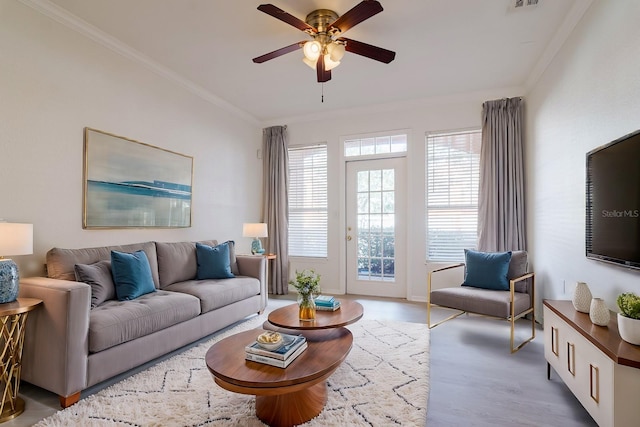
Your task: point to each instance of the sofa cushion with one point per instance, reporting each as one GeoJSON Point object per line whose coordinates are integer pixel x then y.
{"type": "Point", "coordinates": [176, 262]}
{"type": "Point", "coordinates": [519, 266]}
{"type": "Point", "coordinates": [487, 270]}
{"type": "Point", "coordinates": [61, 262]}
{"type": "Point", "coordinates": [116, 322]}
{"type": "Point", "coordinates": [481, 301]}
{"type": "Point", "coordinates": [214, 294]}
{"type": "Point", "coordinates": [213, 262]}
{"type": "Point", "coordinates": [98, 276]}
{"type": "Point", "coordinates": [131, 274]}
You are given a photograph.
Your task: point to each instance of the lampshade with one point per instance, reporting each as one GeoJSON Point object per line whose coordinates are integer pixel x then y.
{"type": "Point", "coordinates": [312, 50]}
{"type": "Point", "coordinates": [16, 239]}
{"type": "Point", "coordinates": [336, 51]}
{"type": "Point", "coordinates": [310, 63]}
{"type": "Point", "coordinates": [330, 64]}
{"type": "Point", "coordinates": [258, 229]}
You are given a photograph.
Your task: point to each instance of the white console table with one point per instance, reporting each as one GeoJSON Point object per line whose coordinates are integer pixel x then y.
{"type": "Point", "coordinates": [601, 369]}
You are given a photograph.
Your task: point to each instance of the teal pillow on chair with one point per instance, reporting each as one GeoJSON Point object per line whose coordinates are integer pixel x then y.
{"type": "Point", "coordinates": [487, 270]}
{"type": "Point", "coordinates": [131, 274]}
{"type": "Point", "coordinates": [213, 262]}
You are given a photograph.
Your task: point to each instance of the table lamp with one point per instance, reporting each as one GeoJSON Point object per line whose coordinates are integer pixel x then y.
{"type": "Point", "coordinates": [15, 239]}
{"type": "Point", "coordinates": [255, 230]}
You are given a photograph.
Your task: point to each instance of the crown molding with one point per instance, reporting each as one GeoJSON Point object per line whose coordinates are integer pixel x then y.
{"type": "Point", "coordinates": [570, 22]}
{"type": "Point", "coordinates": [407, 105]}
{"type": "Point", "coordinates": [62, 16]}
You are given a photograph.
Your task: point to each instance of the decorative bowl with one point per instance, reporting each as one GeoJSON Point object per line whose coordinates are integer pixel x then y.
{"type": "Point", "coordinates": [269, 340]}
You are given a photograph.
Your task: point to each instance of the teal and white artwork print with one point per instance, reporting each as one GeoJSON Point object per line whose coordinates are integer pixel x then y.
{"type": "Point", "coordinates": [131, 184]}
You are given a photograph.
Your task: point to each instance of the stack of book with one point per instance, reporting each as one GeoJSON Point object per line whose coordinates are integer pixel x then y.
{"type": "Point", "coordinates": [327, 303]}
{"type": "Point", "coordinates": [292, 346]}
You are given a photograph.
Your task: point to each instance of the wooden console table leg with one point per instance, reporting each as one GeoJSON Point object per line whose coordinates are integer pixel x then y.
{"type": "Point", "coordinates": [286, 410]}
{"type": "Point", "coordinates": [548, 370]}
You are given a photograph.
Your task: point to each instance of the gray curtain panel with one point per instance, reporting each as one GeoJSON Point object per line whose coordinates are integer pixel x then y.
{"type": "Point", "coordinates": [501, 209]}
{"type": "Point", "coordinates": [275, 207]}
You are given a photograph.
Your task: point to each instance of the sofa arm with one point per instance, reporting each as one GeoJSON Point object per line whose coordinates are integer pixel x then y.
{"type": "Point", "coordinates": [527, 287]}
{"type": "Point", "coordinates": [255, 266]}
{"type": "Point", "coordinates": [55, 350]}
{"type": "Point", "coordinates": [433, 286]}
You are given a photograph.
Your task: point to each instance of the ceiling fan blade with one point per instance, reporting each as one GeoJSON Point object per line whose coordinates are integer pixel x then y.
{"type": "Point", "coordinates": [360, 12]}
{"type": "Point", "coordinates": [370, 51]}
{"type": "Point", "coordinates": [280, 14]}
{"type": "Point", "coordinates": [324, 75]}
{"type": "Point", "coordinates": [278, 52]}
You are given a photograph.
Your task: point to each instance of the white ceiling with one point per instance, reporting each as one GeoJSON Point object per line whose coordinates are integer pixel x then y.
{"type": "Point", "coordinates": [443, 48]}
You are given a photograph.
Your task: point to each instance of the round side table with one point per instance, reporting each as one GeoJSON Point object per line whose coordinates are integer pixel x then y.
{"type": "Point", "coordinates": [13, 317]}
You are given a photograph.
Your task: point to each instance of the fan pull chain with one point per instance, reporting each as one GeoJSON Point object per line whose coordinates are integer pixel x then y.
{"type": "Point", "coordinates": [322, 95]}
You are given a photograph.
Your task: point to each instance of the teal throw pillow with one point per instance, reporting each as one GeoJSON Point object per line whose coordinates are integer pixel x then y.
{"type": "Point", "coordinates": [131, 274]}
{"type": "Point", "coordinates": [213, 262]}
{"type": "Point", "coordinates": [487, 270]}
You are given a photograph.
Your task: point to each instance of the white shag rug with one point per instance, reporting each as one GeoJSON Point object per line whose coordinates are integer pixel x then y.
{"type": "Point", "coordinates": [384, 381]}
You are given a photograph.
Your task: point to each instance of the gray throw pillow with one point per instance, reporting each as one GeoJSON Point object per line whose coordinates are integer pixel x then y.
{"type": "Point", "coordinates": [99, 277]}
{"type": "Point", "coordinates": [232, 257]}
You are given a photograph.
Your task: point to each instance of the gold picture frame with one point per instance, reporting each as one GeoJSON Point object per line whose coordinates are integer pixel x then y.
{"type": "Point", "coordinates": [130, 184]}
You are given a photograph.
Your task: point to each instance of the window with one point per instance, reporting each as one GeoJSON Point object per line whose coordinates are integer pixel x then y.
{"type": "Point", "coordinates": [452, 179]}
{"type": "Point", "coordinates": [308, 212]}
{"type": "Point", "coordinates": [375, 145]}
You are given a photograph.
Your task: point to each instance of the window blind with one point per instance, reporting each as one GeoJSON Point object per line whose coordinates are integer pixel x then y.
{"type": "Point", "coordinates": [308, 211]}
{"type": "Point", "coordinates": [451, 182]}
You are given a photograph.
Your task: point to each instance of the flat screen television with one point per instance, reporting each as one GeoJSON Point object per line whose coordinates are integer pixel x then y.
{"type": "Point", "coordinates": [613, 202]}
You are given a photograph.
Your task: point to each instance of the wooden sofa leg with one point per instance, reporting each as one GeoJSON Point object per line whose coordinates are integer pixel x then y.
{"type": "Point", "coordinates": [66, 401]}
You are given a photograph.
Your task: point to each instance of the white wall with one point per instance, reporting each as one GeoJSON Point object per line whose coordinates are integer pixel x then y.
{"type": "Point", "coordinates": [453, 113]}
{"type": "Point", "coordinates": [589, 96]}
{"type": "Point", "coordinates": [53, 83]}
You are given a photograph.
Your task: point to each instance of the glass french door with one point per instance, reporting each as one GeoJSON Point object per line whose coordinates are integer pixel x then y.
{"type": "Point", "coordinates": [375, 227]}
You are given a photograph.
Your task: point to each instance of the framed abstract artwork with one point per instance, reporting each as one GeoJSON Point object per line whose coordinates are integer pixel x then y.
{"type": "Point", "coordinates": [130, 184]}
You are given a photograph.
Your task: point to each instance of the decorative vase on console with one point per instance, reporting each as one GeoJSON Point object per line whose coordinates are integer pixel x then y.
{"type": "Point", "coordinates": [599, 312]}
{"type": "Point", "coordinates": [582, 297]}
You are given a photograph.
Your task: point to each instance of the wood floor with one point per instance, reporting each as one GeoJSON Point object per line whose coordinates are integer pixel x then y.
{"type": "Point", "coordinates": [474, 380]}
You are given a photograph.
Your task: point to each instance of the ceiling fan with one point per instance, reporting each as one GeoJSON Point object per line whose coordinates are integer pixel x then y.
{"type": "Point", "coordinates": [327, 47]}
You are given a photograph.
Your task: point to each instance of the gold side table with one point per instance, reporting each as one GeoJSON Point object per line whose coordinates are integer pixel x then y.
{"type": "Point", "coordinates": [13, 317]}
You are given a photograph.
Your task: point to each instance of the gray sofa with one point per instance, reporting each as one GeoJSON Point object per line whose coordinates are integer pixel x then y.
{"type": "Point", "coordinates": [72, 344]}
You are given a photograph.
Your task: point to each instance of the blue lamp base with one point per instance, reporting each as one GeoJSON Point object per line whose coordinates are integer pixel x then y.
{"type": "Point", "coordinates": [9, 281]}
{"type": "Point", "coordinates": [256, 247]}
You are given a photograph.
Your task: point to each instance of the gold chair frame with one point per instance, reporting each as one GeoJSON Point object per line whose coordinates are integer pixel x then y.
{"type": "Point", "coordinates": [511, 318]}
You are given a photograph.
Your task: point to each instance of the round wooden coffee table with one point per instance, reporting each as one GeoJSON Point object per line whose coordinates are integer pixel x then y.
{"type": "Point", "coordinates": [287, 317]}
{"type": "Point", "coordinates": [284, 397]}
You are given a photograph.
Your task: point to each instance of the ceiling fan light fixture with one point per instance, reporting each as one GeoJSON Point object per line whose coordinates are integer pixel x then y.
{"type": "Point", "coordinates": [325, 27]}
{"type": "Point", "coordinates": [330, 64]}
{"type": "Point", "coordinates": [336, 51]}
{"type": "Point", "coordinates": [312, 50]}
{"type": "Point", "coordinates": [310, 63]}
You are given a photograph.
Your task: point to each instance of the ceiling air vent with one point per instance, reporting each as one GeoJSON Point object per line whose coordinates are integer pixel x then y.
{"type": "Point", "coordinates": [524, 3]}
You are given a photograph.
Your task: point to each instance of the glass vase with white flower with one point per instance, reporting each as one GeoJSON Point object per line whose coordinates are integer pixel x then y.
{"type": "Point", "coordinates": [307, 283]}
